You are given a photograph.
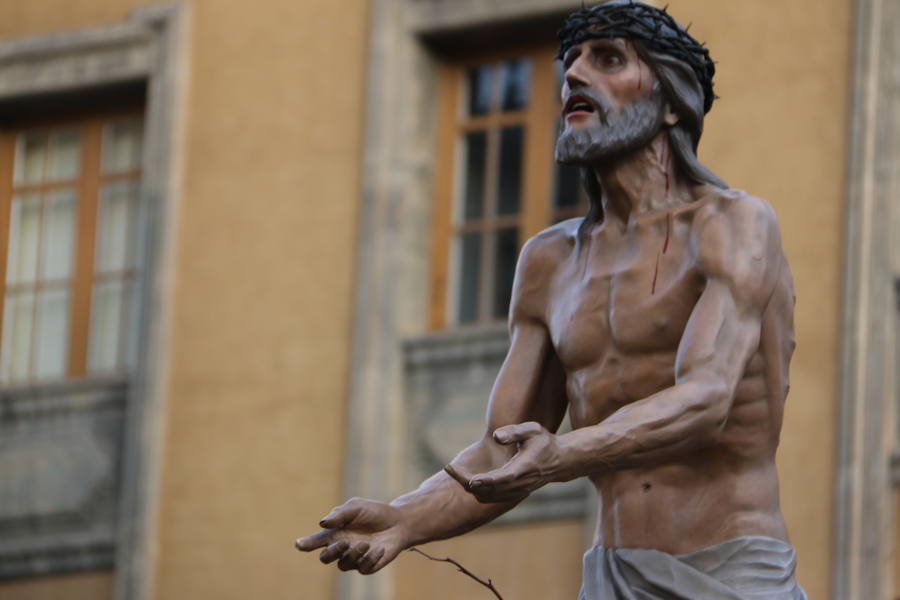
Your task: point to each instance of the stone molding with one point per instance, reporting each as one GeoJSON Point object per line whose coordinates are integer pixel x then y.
{"type": "Point", "coordinates": [71, 61]}
{"type": "Point", "coordinates": [428, 17]}
{"type": "Point", "coordinates": [84, 395]}
{"type": "Point", "coordinates": [866, 420]}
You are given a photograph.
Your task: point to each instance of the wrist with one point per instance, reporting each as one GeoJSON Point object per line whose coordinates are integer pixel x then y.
{"type": "Point", "coordinates": [566, 468]}
{"type": "Point", "coordinates": [579, 455]}
{"type": "Point", "coordinates": [407, 537]}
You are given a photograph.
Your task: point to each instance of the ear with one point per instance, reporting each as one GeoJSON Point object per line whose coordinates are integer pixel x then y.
{"type": "Point", "coordinates": [669, 116]}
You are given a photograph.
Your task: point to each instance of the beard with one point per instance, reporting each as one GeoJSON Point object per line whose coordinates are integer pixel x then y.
{"type": "Point", "coordinates": [616, 135]}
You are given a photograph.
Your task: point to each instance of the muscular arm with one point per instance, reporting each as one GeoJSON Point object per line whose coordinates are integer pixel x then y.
{"type": "Point", "coordinates": [739, 252]}
{"type": "Point", "coordinates": [366, 535]}
{"type": "Point", "coordinates": [528, 388]}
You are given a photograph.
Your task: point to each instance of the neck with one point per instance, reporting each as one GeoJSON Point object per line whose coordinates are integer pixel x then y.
{"type": "Point", "coordinates": [643, 181]}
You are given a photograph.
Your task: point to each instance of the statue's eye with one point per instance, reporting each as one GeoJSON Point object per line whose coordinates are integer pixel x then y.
{"type": "Point", "coordinates": [611, 59]}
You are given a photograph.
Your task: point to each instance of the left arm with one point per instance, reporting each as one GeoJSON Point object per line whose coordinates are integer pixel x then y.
{"type": "Point", "coordinates": [739, 251]}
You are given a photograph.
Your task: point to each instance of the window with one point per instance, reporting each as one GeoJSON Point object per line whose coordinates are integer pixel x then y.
{"type": "Point", "coordinates": [69, 248]}
{"type": "Point", "coordinates": [496, 183]}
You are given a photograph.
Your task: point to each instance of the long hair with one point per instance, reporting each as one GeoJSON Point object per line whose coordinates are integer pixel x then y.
{"type": "Point", "coordinates": [683, 92]}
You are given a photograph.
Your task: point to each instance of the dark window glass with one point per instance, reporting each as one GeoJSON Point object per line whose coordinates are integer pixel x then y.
{"type": "Point", "coordinates": [515, 77]}
{"type": "Point", "coordinates": [504, 269]}
{"type": "Point", "coordinates": [509, 182]}
{"type": "Point", "coordinates": [475, 148]}
{"type": "Point", "coordinates": [479, 90]}
{"type": "Point", "coordinates": [469, 276]}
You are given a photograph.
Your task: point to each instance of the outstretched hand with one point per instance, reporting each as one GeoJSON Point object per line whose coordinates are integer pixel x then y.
{"type": "Point", "coordinates": [537, 462]}
{"type": "Point", "coordinates": [364, 535]}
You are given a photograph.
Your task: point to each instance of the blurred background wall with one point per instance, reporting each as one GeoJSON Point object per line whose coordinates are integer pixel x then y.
{"type": "Point", "coordinates": [241, 284]}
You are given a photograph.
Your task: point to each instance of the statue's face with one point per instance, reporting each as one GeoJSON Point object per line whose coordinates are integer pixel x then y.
{"type": "Point", "coordinates": [611, 102]}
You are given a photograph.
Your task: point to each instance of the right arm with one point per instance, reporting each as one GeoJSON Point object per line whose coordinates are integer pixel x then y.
{"type": "Point", "coordinates": [366, 535]}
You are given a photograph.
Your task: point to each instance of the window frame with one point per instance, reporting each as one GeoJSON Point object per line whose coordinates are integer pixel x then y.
{"type": "Point", "coordinates": [535, 212]}
{"type": "Point", "coordinates": [88, 186]}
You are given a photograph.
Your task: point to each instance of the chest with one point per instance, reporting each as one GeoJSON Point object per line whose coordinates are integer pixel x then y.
{"type": "Point", "coordinates": [625, 298]}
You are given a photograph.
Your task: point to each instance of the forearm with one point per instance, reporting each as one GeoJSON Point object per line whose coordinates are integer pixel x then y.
{"type": "Point", "coordinates": [667, 424]}
{"type": "Point", "coordinates": [441, 508]}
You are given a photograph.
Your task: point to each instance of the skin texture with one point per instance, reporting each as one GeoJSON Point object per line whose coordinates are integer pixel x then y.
{"type": "Point", "coordinates": [666, 330]}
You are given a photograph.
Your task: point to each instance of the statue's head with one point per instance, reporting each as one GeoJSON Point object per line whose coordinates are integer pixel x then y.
{"type": "Point", "coordinates": [632, 70]}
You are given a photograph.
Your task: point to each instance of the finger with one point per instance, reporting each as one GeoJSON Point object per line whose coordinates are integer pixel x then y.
{"type": "Point", "coordinates": [350, 560]}
{"type": "Point", "coordinates": [383, 561]}
{"type": "Point", "coordinates": [517, 433]}
{"type": "Point", "coordinates": [497, 477]}
{"type": "Point", "coordinates": [333, 552]}
{"type": "Point", "coordinates": [342, 515]}
{"type": "Point", "coordinates": [316, 540]}
{"type": "Point", "coordinates": [368, 562]}
{"type": "Point", "coordinates": [458, 474]}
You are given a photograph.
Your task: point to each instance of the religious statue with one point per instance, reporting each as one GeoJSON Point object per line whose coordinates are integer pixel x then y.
{"type": "Point", "coordinates": [662, 320]}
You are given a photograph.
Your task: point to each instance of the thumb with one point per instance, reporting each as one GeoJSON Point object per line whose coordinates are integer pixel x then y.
{"type": "Point", "coordinates": [517, 433]}
{"type": "Point", "coordinates": [341, 516]}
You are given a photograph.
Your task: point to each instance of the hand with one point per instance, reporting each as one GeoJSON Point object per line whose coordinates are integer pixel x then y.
{"type": "Point", "coordinates": [537, 463]}
{"type": "Point", "coordinates": [360, 534]}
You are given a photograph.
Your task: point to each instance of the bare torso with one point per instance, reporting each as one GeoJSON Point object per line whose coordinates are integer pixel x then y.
{"type": "Point", "coordinates": [616, 307]}
{"type": "Point", "coordinates": [670, 338]}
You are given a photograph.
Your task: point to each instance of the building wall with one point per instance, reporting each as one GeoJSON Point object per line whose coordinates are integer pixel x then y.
{"type": "Point", "coordinates": [261, 305]}
{"type": "Point", "coordinates": [535, 561]}
{"type": "Point", "coordinates": [95, 585]}
{"type": "Point", "coordinates": [263, 286]}
{"type": "Point", "coordinates": [263, 292]}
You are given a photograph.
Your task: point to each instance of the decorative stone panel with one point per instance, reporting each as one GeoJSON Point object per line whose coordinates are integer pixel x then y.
{"type": "Point", "coordinates": [59, 476]}
{"type": "Point", "coordinates": [448, 377]}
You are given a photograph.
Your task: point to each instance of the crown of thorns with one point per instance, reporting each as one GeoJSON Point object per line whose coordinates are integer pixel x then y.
{"type": "Point", "coordinates": [655, 28]}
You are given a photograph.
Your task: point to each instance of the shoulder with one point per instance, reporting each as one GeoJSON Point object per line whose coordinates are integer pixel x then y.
{"type": "Point", "coordinates": [547, 249]}
{"type": "Point", "coordinates": [735, 222]}
{"type": "Point", "coordinates": [538, 261]}
{"type": "Point", "coordinates": [735, 210]}
{"type": "Point", "coordinates": [737, 239]}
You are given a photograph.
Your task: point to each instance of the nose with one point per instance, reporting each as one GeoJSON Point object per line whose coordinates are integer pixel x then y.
{"type": "Point", "coordinates": [575, 74]}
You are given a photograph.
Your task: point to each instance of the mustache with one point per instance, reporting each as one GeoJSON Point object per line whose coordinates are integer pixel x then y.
{"type": "Point", "coordinates": [599, 102]}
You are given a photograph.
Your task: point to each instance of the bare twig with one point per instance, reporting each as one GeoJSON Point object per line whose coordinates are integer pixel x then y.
{"type": "Point", "coordinates": [488, 584]}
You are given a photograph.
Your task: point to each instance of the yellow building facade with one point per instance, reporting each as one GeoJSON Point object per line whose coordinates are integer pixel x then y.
{"type": "Point", "coordinates": [293, 311]}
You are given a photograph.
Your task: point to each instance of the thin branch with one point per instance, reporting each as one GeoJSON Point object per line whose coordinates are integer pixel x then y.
{"type": "Point", "coordinates": [488, 584]}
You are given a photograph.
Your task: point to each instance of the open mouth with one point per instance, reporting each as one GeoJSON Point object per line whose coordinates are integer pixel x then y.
{"type": "Point", "coordinates": [578, 104]}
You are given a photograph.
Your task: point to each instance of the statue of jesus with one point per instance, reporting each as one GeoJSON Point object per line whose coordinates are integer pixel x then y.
{"type": "Point", "coordinates": [663, 322]}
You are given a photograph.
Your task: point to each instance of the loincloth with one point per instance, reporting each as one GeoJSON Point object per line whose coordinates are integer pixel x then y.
{"type": "Point", "coordinates": [745, 568]}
